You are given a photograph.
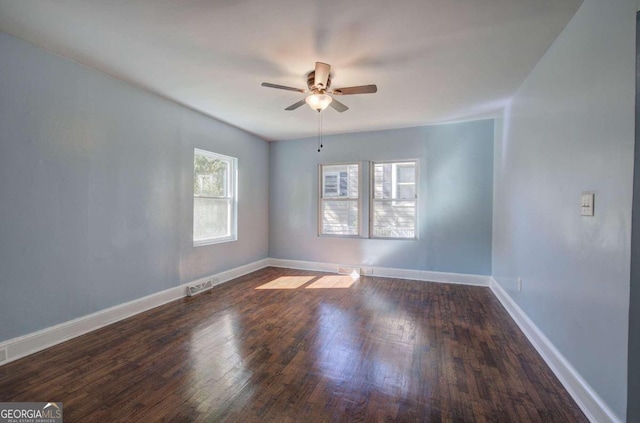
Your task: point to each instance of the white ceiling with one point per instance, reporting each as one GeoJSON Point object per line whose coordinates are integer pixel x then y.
{"type": "Point", "coordinates": [434, 61]}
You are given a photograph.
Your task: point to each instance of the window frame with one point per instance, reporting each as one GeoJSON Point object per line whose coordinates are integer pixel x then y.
{"type": "Point", "coordinates": [232, 196]}
{"type": "Point", "coordinates": [322, 198]}
{"type": "Point", "coordinates": [373, 200]}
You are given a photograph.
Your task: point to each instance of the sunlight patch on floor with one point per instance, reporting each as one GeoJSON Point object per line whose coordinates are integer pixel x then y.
{"type": "Point", "coordinates": [337, 281]}
{"type": "Point", "coordinates": [286, 282]}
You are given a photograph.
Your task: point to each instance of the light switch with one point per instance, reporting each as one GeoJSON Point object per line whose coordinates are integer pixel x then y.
{"type": "Point", "coordinates": [586, 206]}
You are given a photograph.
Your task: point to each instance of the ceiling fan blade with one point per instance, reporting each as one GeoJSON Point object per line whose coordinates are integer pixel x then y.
{"type": "Point", "coordinates": [322, 74]}
{"type": "Point", "coordinates": [361, 89]}
{"type": "Point", "coordinates": [282, 87]}
{"type": "Point", "coordinates": [296, 105]}
{"type": "Point", "coordinates": [338, 106]}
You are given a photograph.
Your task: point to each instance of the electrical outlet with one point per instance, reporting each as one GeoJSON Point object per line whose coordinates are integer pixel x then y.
{"type": "Point", "coordinates": [3, 355]}
{"type": "Point", "coordinates": [519, 284]}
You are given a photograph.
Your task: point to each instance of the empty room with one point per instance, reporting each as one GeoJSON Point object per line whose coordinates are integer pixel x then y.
{"type": "Point", "coordinates": [319, 211]}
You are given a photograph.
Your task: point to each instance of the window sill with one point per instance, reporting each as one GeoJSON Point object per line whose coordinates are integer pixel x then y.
{"type": "Point", "coordinates": [340, 236]}
{"type": "Point", "coordinates": [394, 239]}
{"type": "Point", "coordinates": [205, 242]}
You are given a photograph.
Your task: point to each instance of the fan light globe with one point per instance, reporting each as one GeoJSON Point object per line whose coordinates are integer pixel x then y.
{"type": "Point", "coordinates": [318, 102]}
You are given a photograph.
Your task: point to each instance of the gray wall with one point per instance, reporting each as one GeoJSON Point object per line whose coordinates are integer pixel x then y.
{"type": "Point", "coordinates": [570, 128]}
{"type": "Point", "coordinates": [633, 374]}
{"type": "Point", "coordinates": [455, 198]}
{"type": "Point", "coordinates": [95, 191]}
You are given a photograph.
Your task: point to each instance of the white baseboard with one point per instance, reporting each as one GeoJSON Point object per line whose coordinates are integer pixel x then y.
{"type": "Point", "coordinates": [236, 272]}
{"type": "Point", "coordinates": [386, 272]}
{"type": "Point", "coordinates": [37, 341]}
{"type": "Point", "coordinates": [587, 399]}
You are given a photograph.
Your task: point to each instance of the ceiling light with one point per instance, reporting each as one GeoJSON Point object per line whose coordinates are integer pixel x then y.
{"type": "Point", "coordinates": [318, 102]}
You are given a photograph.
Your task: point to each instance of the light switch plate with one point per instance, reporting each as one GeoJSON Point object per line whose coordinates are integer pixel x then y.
{"type": "Point", "coordinates": [586, 204]}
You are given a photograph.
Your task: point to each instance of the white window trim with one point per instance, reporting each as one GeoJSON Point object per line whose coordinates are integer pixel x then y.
{"type": "Point", "coordinates": [373, 200]}
{"type": "Point", "coordinates": [232, 188]}
{"type": "Point", "coordinates": [321, 197]}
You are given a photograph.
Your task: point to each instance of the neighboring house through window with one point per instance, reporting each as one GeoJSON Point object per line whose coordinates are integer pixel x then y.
{"type": "Point", "coordinates": [214, 198]}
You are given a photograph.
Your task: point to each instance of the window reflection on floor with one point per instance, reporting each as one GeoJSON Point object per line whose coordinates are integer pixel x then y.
{"type": "Point", "coordinates": [334, 281]}
{"type": "Point", "coordinates": [286, 282]}
{"type": "Point", "coordinates": [317, 282]}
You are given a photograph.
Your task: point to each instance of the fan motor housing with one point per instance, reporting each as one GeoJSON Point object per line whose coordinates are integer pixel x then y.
{"type": "Point", "coordinates": [311, 81]}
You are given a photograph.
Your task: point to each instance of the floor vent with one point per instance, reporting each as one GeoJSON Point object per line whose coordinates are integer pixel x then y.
{"type": "Point", "coordinates": [3, 355]}
{"type": "Point", "coordinates": [199, 287]}
{"type": "Point", "coordinates": [349, 270]}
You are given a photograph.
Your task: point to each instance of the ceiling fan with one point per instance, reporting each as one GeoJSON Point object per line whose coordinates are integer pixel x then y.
{"type": "Point", "coordinates": [318, 83]}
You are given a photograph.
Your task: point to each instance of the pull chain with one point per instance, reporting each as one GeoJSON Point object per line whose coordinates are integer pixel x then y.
{"type": "Point", "coordinates": [321, 146]}
{"type": "Point", "coordinates": [319, 130]}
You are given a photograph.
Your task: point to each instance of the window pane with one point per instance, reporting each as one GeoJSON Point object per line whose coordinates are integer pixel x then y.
{"type": "Point", "coordinates": [383, 180]}
{"type": "Point", "coordinates": [340, 181]}
{"type": "Point", "coordinates": [210, 176]}
{"type": "Point", "coordinates": [353, 179]}
{"type": "Point", "coordinates": [340, 217]}
{"type": "Point", "coordinates": [394, 219]}
{"type": "Point", "coordinates": [331, 185]}
{"type": "Point", "coordinates": [211, 218]}
{"type": "Point", "coordinates": [343, 184]}
{"type": "Point", "coordinates": [406, 192]}
{"type": "Point", "coordinates": [406, 172]}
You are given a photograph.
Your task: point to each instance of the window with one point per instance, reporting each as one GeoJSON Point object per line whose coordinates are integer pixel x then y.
{"type": "Point", "coordinates": [394, 199]}
{"type": "Point", "coordinates": [339, 204]}
{"type": "Point", "coordinates": [214, 198]}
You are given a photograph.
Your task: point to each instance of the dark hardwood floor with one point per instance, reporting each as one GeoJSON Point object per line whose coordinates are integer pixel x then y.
{"type": "Point", "coordinates": [379, 350]}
